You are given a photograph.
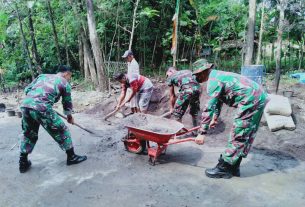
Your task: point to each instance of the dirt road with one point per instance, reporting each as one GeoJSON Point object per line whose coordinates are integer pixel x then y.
{"type": "Point", "coordinates": [113, 177]}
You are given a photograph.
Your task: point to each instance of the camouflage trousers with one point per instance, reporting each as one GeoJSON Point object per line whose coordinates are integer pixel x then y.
{"type": "Point", "coordinates": [50, 121]}
{"type": "Point", "coordinates": [187, 97]}
{"type": "Point", "coordinates": [245, 126]}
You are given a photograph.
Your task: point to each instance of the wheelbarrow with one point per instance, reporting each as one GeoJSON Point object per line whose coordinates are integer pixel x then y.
{"type": "Point", "coordinates": [140, 137]}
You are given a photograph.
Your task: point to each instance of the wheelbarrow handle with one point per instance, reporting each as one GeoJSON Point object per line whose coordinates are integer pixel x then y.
{"type": "Point", "coordinates": [180, 141]}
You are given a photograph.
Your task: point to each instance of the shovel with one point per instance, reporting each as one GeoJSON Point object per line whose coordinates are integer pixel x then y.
{"type": "Point", "coordinates": [166, 114]}
{"type": "Point", "coordinates": [76, 124]}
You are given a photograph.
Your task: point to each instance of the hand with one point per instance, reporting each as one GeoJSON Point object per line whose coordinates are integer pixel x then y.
{"type": "Point", "coordinates": [117, 107]}
{"type": "Point", "coordinates": [123, 104]}
{"type": "Point", "coordinates": [70, 119]}
{"type": "Point", "coordinates": [214, 122]}
{"type": "Point", "coordinates": [200, 139]}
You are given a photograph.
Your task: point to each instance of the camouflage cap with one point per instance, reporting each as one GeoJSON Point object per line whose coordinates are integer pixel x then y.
{"type": "Point", "coordinates": [201, 65]}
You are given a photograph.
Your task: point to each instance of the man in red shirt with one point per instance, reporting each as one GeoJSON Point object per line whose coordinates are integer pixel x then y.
{"type": "Point", "coordinates": [141, 87]}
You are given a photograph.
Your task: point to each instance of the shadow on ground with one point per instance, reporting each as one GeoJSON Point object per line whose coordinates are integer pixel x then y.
{"type": "Point", "coordinates": [266, 160]}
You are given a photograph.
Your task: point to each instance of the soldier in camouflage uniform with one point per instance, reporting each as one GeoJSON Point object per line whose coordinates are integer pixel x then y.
{"type": "Point", "coordinates": [189, 93]}
{"type": "Point", "coordinates": [37, 110]}
{"type": "Point", "coordinates": [235, 91]}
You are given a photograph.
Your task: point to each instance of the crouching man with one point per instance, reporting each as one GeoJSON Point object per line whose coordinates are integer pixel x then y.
{"type": "Point", "coordinates": [37, 110]}
{"type": "Point", "coordinates": [239, 92]}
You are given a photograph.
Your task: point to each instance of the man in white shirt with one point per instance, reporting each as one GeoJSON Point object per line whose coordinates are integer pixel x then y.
{"type": "Point", "coordinates": [133, 69]}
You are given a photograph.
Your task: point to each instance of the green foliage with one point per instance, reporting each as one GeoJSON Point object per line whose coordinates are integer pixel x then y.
{"type": "Point", "coordinates": [3, 25]}
{"type": "Point", "coordinates": [203, 25]}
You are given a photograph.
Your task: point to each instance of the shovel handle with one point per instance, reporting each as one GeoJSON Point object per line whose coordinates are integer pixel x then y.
{"type": "Point", "coordinates": [111, 114]}
{"type": "Point", "coordinates": [76, 124]}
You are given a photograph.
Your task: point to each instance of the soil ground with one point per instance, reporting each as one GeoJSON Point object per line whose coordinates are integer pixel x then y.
{"type": "Point", "coordinates": [272, 175]}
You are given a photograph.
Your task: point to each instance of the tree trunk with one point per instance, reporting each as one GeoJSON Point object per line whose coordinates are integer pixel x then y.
{"type": "Point", "coordinates": [96, 47]}
{"type": "Point", "coordinates": [250, 33]}
{"type": "Point", "coordinates": [86, 65]}
{"type": "Point", "coordinates": [259, 50]}
{"type": "Point", "coordinates": [154, 50]}
{"type": "Point", "coordinates": [133, 23]}
{"type": "Point", "coordinates": [283, 4]}
{"type": "Point", "coordinates": [81, 54]}
{"type": "Point", "coordinates": [25, 43]}
{"type": "Point", "coordinates": [112, 41]}
{"type": "Point", "coordinates": [89, 65]}
{"type": "Point", "coordinates": [90, 60]}
{"type": "Point", "coordinates": [34, 45]}
{"type": "Point", "coordinates": [54, 31]}
{"type": "Point", "coordinates": [66, 42]}
{"type": "Point", "coordinates": [301, 52]}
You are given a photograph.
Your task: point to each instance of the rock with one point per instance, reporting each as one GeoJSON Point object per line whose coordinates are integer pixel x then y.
{"type": "Point", "coordinates": [119, 115]}
{"type": "Point", "coordinates": [2, 107]}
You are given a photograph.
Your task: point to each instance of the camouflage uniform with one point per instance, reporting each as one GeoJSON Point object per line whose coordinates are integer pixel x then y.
{"type": "Point", "coordinates": [189, 93]}
{"type": "Point", "coordinates": [242, 93]}
{"type": "Point", "coordinates": [37, 110]}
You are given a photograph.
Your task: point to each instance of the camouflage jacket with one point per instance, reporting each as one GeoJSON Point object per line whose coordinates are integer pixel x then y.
{"type": "Point", "coordinates": [235, 91]}
{"type": "Point", "coordinates": [46, 90]}
{"type": "Point", "coordinates": [184, 80]}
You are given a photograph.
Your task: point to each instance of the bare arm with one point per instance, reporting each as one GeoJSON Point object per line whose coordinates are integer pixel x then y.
{"type": "Point", "coordinates": [133, 93]}
{"type": "Point", "coordinates": [172, 97]}
{"type": "Point", "coordinates": [122, 96]}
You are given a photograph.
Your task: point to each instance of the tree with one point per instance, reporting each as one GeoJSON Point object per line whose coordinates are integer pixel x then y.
{"type": "Point", "coordinates": [250, 33]}
{"type": "Point", "coordinates": [259, 49]}
{"type": "Point", "coordinates": [32, 34]}
{"type": "Point", "coordinates": [96, 48]}
{"type": "Point", "coordinates": [25, 43]}
{"type": "Point", "coordinates": [282, 4]}
{"type": "Point", "coordinates": [133, 23]}
{"type": "Point", "coordinates": [54, 31]}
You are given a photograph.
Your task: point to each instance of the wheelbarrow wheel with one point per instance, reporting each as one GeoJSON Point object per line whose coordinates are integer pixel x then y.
{"type": "Point", "coordinates": [136, 146]}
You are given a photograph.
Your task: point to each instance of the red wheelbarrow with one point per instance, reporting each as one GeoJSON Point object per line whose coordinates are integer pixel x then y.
{"type": "Point", "coordinates": [161, 133]}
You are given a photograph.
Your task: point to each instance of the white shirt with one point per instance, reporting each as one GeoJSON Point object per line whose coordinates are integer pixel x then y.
{"type": "Point", "coordinates": [133, 67]}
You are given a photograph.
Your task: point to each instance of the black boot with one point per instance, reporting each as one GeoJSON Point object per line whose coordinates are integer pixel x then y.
{"type": "Point", "coordinates": [24, 163]}
{"type": "Point", "coordinates": [72, 158]}
{"type": "Point", "coordinates": [222, 170]}
{"type": "Point", "coordinates": [235, 169]}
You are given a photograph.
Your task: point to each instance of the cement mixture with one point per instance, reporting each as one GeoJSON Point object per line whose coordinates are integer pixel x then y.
{"type": "Point", "coordinates": [153, 123]}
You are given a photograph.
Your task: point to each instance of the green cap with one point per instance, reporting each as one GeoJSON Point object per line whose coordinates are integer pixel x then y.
{"type": "Point", "coordinates": [201, 65]}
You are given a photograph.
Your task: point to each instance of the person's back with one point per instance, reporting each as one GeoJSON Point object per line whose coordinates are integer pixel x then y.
{"type": "Point", "coordinates": [46, 90]}
{"type": "Point", "coordinates": [133, 67]}
{"type": "Point", "coordinates": [234, 88]}
{"type": "Point", "coordinates": [182, 79]}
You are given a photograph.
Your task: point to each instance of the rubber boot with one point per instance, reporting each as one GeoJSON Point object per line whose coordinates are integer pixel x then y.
{"type": "Point", "coordinates": [72, 158]}
{"type": "Point", "coordinates": [222, 170]}
{"type": "Point", "coordinates": [236, 170]}
{"type": "Point", "coordinates": [24, 163]}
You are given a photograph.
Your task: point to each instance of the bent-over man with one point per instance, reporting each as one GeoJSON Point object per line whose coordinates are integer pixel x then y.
{"type": "Point", "coordinates": [239, 92]}
{"type": "Point", "coordinates": [189, 93]}
{"type": "Point", "coordinates": [141, 87]}
{"type": "Point", "coordinates": [37, 110]}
